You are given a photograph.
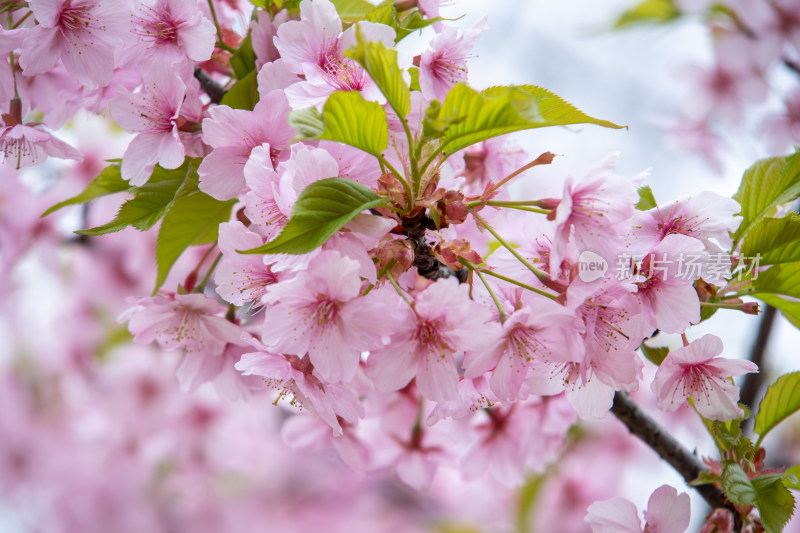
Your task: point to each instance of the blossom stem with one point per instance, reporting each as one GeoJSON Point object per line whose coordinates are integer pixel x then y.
{"type": "Point", "coordinates": [500, 310]}
{"type": "Point", "coordinates": [401, 179]}
{"type": "Point", "coordinates": [397, 287]}
{"type": "Point", "coordinates": [511, 205]}
{"type": "Point", "coordinates": [476, 268]}
{"type": "Point", "coordinates": [220, 41]}
{"type": "Point", "coordinates": [544, 159]}
{"type": "Point", "coordinates": [202, 284]}
{"type": "Point", "coordinates": [20, 21]}
{"type": "Point", "coordinates": [669, 449]}
{"type": "Point", "coordinates": [540, 274]}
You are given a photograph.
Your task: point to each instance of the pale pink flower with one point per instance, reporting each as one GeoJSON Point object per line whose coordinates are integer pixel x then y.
{"type": "Point", "coordinates": [263, 30]}
{"type": "Point", "coordinates": [82, 33]}
{"type": "Point", "coordinates": [320, 312]}
{"type": "Point", "coordinates": [444, 63]}
{"type": "Point", "coordinates": [170, 31]}
{"type": "Point", "coordinates": [695, 371]}
{"type": "Point", "coordinates": [241, 278]}
{"type": "Point", "coordinates": [10, 40]}
{"type": "Point", "coordinates": [706, 216]}
{"type": "Point", "coordinates": [294, 376]}
{"type": "Point", "coordinates": [666, 293]}
{"type": "Point", "coordinates": [667, 512]}
{"type": "Point", "coordinates": [539, 333]}
{"type": "Point", "coordinates": [613, 330]}
{"type": "Point", "coordinates": [314, 47]}
{"type": "Point", "coordinates": [190, 321]}
{"type": "Point", "coordinates": [442, 323]}
{"type": "Point", "coordinates": [783, 130]}
{"type": "Point", "coordinates": [268, 203]}
{"type": "Point", "coordinates": [513, 439]}
{"type": "Point", "coordinates": [154, 114]}
{"type": "Point", "coordinates": [27, 145]}
{"type": "Point", "coordinates": [233, 133]}
{"type": "Point", "coordinates": [593, 213]}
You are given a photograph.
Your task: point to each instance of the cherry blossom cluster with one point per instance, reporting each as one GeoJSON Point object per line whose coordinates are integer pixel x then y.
{"type": "Point", "coordinates": [447, 325]}
{"type": "Point", "coordinates": [752, 81]}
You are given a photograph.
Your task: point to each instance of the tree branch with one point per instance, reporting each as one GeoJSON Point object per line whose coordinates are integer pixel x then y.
{"type": "Point", "coordinates": [687, 464]}
{"type": "Point", "coordinates": [752, 382]}
{"type": "Point", "coordinates": [214, 90]}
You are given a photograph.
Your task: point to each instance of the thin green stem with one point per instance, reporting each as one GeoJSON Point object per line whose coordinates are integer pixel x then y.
{"type": "Point", "coordinates": [503, 314]}
{"type": "Point", "coordinates": [397, 287]}
{"type": "Point", "coordinates": [721, 305]}
{"type": "Point", "coordinates": [520, 207]}
{"type": "Point", "coordinates": [476, 268]}
{"type": "Point", "coordinates": [211, 269]}
{"type": "Point", "coordinates": [220, 41]}
{"type": "Point", "coordinates": [540, 274]}
{"type": "Point", "coordinates": [20, 21]}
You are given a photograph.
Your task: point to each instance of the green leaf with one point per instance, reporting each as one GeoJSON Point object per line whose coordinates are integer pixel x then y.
{"type": "Point", "coordinates": [243, 94]}
{"type": "Point", "coordinates": [193, 219]}
{"type": "Point", "coordinates": [352, 11]}
{"type": "Point", "coordinates": [649, 12]}
{"type": "Point", "coordinates": [243, 61]}
{"type": "Point", "coordinates": [152, 200]}
{"type": "Point", "coordinates": [109, 181]}
{"type": "Point", "coordinates": [736, 485]}
{"type": "Point", "coordinates": [775, 502]}
{"type": "Point", "coordinates": [346, 118]}
{"type": "Point", "coordinates": [791, 477]}
{"type": "Point", "coordinates": [768, 493]}
{"type": "Point", "coordinates": [646, 199]}
{"type": "Point", "coordinates": [780, 401]}
{"type": "Point", "coordinates": [779, 279]}
{"type": "Point", "coordinates": [500, 110]}
{"type": "Point", "coordinates": [321, 210]}
{"type": "Point", "coordinates": [767, 184]}
{"type": "Point", "coordinates": [776, 240]}
{"type": "Point", "coordinates": [381, 65]}
{"type": "Point", "coordinates": [404, 23]}
{"type": "Point", "coordinates": [414, 86]}
{"type": "Point", "coordinates": [656, 354]}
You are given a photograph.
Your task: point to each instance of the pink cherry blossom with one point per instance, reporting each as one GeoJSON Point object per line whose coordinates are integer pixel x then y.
{"type": "Point", "coordinates": [695, 371]}
{"type": "Point", "coordinates": [82, 33]}
{"type": "Point", "coordinates": [667, 512]}
{"type": "Point", "coordinates": [294, 376]}
{"type": "Point", "coordinates": [667, 295]}
{"type": "Point", "coordinates": [26, 145]}
{"type": "Point", "coordinates": [170, 31]}
{"type": "Point", "coordinates": [263, 30]}
{"type": "Point", "coordinates": [190, 321]}
{"type": "Point", "coordinates": [314, 47]}
{"type": "Point", "coordinates": [706, 216]}
{"type": "Point", "coordinates": [154, 114]}
{"type": "Point", "coordinates": [530, 339]}
{"type": "Point", "coordinates": [444, 64]}
{"type": "Point", "coordinates": [592, 213]}
{"type": "Point", "coordinates": [442, 323]}
{"type": "Point", "coordinates": [10, 40]}
{"type": "Point", "coordinates": [233, 133]}
{"type": "Point", "coordinates": [320, 312]}
{"type": "Point", "coordinates": [613, 330]}
{"type": "Point", "coordinates": [241, 278]}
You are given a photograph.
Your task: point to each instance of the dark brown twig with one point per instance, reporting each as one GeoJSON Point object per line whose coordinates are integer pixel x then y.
{"type": "Point", "coordinates": [669, 449]}
{"type": "Point", "coordinates": [214, 90]}
{"type": "Point", "coordinates": [752, 382]}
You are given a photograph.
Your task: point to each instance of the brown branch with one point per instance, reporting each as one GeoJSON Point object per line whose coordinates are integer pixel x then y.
{"type": "Point", "coordinates": [669, 449]}
{"type": "Point", "coordinates": [214, 90]}
{"type": "Point", "coordinates": [753, 382]}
